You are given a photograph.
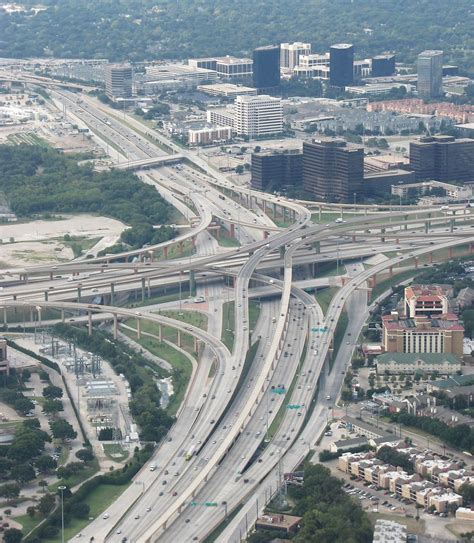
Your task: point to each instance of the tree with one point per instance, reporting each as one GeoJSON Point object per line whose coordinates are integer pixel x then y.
{"type": "Point", "coordinates": [53, 407]}
{"type": "Point", "coordinates": [22, 473]}
{"type": "Point", "coordinates": [52, 391]}
{"type": "Point", "coordinates": [86, 455]}
{"type": "Point", "coordinates": [26, 375]}
{"type": "Point", "coordinates": [45, 463]}
{"type": "Point", "coordinates": [23, 406]}
{"type": "Point", "coordinates": [31, 511]}
{"type": "Point", "coordinates": [81, 510]}
{"type": "Point", "coordinates": [239, 169]}
{"type": "Point", "coordinates": [12, 535]}
{"type": "Point", "coordinates": [43, 484]}
{"type": "Point", "coordinates": [46, 504]}
{"type": "Point", "coordinates": [10, 491]}
{"type": "Point", "coordinates": [61, 429]}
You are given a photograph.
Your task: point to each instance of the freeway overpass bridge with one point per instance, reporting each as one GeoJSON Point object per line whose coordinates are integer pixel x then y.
{"type": "Point", "coordinates": [147, 163]}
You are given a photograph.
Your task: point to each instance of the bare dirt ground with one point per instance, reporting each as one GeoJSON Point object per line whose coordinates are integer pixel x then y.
{"type": "Point", "coordinates": [42, 241]}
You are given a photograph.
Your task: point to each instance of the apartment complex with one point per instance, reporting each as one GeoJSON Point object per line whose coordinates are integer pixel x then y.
{"type": "Point", "coordinates": [118, 81]}
{"type": "Point", "coordinates": [443, 334]}
{"type": "Point", "coordinates": [332, 170]}
{"type": "Point", "coordinates": [290, 54]}
{"type": "Point", "coordinates": [411, 363]}
{"type": "Point", "coordinates": [425, 300]}
{"type": "Point", "coordinates": [341, 64]}
{"type": "Point", "coordinates": [438, 493]}
{"type": "Point", "coordinates": [258, 116]}
{"type": "Point", "coordinates": [443, 158]}
{"type": "Point", "coordinates": [206, 136]}
{"type": "Point", "coordinates": [266, 67]}
{"type": "Point", "coordinates": [273, 170]}
{"type": "Point", "coordinates": [430, 74]}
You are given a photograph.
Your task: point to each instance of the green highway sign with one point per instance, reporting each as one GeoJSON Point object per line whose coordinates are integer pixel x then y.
{"type": "Point", "coordinates": [293, 406]}
{"type": "Point", "coordinates": [278, 390]}
{"type": "Point", "coordinates": [205, 504]}
{"type": "Point", "coordinates": [322, 329]}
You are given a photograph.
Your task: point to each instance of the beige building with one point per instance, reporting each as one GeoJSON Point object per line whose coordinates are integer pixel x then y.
{"type": "Point", "coordinates": [425, 301]}
{"type": "Point", "coordinates": [206, 136]}
{"type": "Point", "coordinates": [411, 363]}
{"type": "Point", "coordinates": [422, 335]}
{"type": "Point", "coordinates": [4, 362]}
{"type": "Point", "coordinates": [228, 90]}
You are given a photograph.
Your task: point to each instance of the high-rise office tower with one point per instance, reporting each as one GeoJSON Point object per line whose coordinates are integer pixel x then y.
{"type": "Point", "coordinates": [341, 64]}
{"type": "Point", "coordinates": [332, 171]}
{"type": "Point", "coordinates": [290, 55]}
{"type": "Point", "coordinates": [430, 74]}
{"type": "Point", "coordinates": [266, 67]}
{"type": "Point", "coordinates": [257, 116]}
{"type": "Point", "coordinates": [273, 170]}
{"type": "Point", "coordinates": [383, 65]}
{"type": "Point", "coordinates": [443, 158]}
{"type": "Point", "coordinates": [118, 81]}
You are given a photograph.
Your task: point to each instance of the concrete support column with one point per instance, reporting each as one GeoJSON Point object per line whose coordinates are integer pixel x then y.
{"type": "Point", "coordinates": [232, 230]}
{"type": "Point", "coordinates": [192, 282]}
{"type": "Point", "coordinates": [178, 340]}
{"type": "Point", "coordinates": [416, 262]}
{"type": "Point", "coordinates": [369, 295]}
{"type": "Point", "coordinates": [139, 328]}
{"type": "Point", "coordinates": [391, 271]}
{"type": "Point", "coordinates": [450, 252]}
{"type": "Point", "coordinates": [317, 246]}
{"type": "Point", "coordinates": [405, 226]}
{"type": "Point", "coordinates": [265, 234]}
{"type": "Point", "coordinates": [62, 315]}
{"type": "Point", "coordinates": [50, 276]}
{"type": "Point", "coordinates": [353, 238]}
{"type": "Point", "coordinates": [427, 226]}
{"type": "Point", "coordinates": [451, 225]}
{"type": "Point", "coordinates": [45, 295]}
{"type": "Point", "coordinates": [115, 326]}
{"type": "Point", "coordinates": [471, 247]}
{"type": "Point", "coordinates": [89, 323]}
{"type": "Point", "coordinates": [26, 278]}
{"type": "Point", "coordinates": [382, 231]}
{"type": "Point", "coordinates": [165, 252]}
{"type": "Point", "coordinates": [193, 241]}
{"type": "Point", "coordinates": [149, 287]}
{"type": "Point", "coordinates": [79, 295]}
{"type": "Point", "coordinates": [274, 210]}
{"type": "Point", "coordinates": [143, 288]}
{"type": "Point", "coordinates": [160, 333]}
{"type": "Point", "coordinates": [196, 345]}
{"type": "Point", "coordinates": [112, 294]}
{"type": "Point", "coordinates": [5, 317]}
{"type": "Point", "coordinates": [282, 251]}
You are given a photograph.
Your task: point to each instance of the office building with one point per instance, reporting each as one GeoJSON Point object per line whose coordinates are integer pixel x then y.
{"type": "Point", "coordinates": [430, 74]}
{"type": "Point", "coordinates": [227, 90]}
{"type": "Point", "coordinates": [341, 64]}
{"type": "Point", "coordinates": [383, 65]}
{"type": "Point", "coordinates": [425, 301]}
{"type": "Point", "coordinates": [258, 116]}
{"type": "Point", "coordinates": [118, 81]}
{"type": "Point", "coordinates": [313, 66]}
{"type": "Point", "coordinates": [443, 334]}
{"type": "Point", "coordinates": [443, 158]}
{"type": "Point", "coordinates": [266, 67]}
{"type": "Point", "coordinates": [273, 170]}
{"type": "Point", "coordinates": [290, 55]}
{"type": "Point", "coordinates": [332, 170]}
{"type": "Point", "coordinates": [227, 67]}
{"type": "Point", "coordinates": [362, 69]}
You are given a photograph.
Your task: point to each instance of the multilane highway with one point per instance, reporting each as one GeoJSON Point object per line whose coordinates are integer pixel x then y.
{"type": "Point", "coordinates": [233, 432]}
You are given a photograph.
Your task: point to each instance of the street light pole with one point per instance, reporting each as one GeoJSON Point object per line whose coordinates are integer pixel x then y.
{"type": "Point", "coordinates": [62, 488]}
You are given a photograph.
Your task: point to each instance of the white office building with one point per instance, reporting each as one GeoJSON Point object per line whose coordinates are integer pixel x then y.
{"type": "Point", "coordinates": [257, 116]}
{"type": "Point", "coordinates": [290, 55]}
{"type": "Point", "coordinates": [118, 81]}
{"type": "Point", "coordinates": [313, 66]}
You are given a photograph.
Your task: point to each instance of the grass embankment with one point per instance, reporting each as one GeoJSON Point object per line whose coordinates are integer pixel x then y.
{"type": "Point", "coordinates": [228, 324]}
{"type": "Point", "coordinates": [324, 297]}
{"type": "Point", "coordinates": [115, 452]}
{"type": "Point", "coordinates": [161, 298]}
{"type": "Point", "coordinates": [327, 218]}
{"type": "Point", "coordinates": [225, 240]}
{"type": "Point", "coordinates": [339, 335]}
{"type": "Point", "coordinates": [90, 469]}
{"type": "Point", "coordinates": [80, 244]}
{"type": "Point", "coordinates": [328, 269]}
{"type": "Point", "coordinates": [98, 501]}
{"type": "Point", "coordinates": [381, 287]}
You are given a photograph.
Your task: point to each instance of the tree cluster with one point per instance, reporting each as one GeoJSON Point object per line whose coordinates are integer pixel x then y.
{"type": "Point", "coordinates": [39, 181]}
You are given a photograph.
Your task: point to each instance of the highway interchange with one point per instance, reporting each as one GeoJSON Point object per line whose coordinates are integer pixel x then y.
{"type": "Point", "coordinates": [219, 452]}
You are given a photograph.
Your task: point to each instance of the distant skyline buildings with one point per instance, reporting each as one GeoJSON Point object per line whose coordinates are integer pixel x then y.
{"type": "Point", "coordinates": [341, 64]}
{"type": "Point", "coordinates": [118, 81]}
{"type": "Point", "coordinates": [266, 67]}
{"type": "Point", "coordinates": [430, 74]}
{"type": "Point", "coordinates": [290, 54]}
